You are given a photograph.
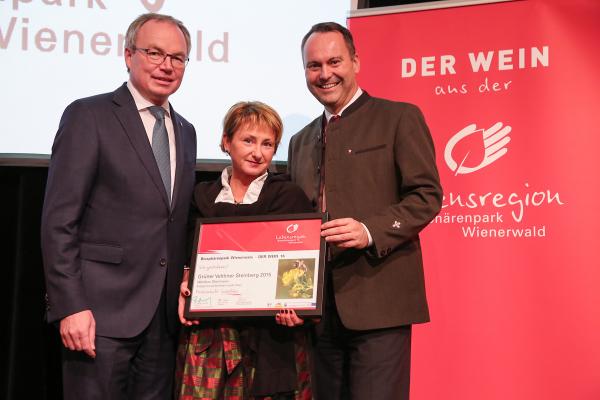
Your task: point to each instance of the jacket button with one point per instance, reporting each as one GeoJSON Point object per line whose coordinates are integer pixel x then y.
{"type": "Point", "coordinates": [163, 262]}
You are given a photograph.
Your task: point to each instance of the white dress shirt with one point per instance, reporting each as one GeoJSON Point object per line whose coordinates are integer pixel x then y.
{"type": "Point", "coordinates": [251, 196]}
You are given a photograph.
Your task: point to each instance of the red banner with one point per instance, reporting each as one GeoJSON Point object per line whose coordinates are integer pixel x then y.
{"type": "Point", "coordinates": [511, 92]}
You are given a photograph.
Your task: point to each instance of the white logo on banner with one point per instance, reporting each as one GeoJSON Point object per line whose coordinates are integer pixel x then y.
{"type": "Point", "coordinates": [292, 228]}
{"type": "Point", "coordinates": [480, 214]}
{"type": "Point", "coordinates": [494, 141]}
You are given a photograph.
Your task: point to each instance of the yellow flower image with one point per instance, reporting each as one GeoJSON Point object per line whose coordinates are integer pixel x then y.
{"type": "Point", "coordinates": [297, 282]}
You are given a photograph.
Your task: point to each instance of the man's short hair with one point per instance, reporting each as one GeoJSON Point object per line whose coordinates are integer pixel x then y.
{"type": "Point", "coordinates": [134, 27]}
{"type": "Point", "coordinates": [324, 27]}
{"type": "Point", "coordinates": [253, 114]}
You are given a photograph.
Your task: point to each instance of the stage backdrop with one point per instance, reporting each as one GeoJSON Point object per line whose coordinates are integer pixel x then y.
{"type": "Point", "coordinates": [511, 92]}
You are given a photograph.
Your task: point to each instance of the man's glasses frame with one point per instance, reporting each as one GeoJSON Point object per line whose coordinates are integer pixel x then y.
{"type": "Point", "coordinates": [158, 57]}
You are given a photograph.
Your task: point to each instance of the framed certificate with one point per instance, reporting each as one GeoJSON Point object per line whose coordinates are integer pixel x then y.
{"type": "Point", "coordinates": [254, 266]}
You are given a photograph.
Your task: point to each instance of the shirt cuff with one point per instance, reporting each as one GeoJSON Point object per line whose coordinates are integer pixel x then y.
{"type": "Point", "coordinates": [368, 235]}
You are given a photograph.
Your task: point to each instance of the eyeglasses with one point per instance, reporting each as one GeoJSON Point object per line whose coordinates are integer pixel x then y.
{"type": "Point", "coordinates": [158, 57]}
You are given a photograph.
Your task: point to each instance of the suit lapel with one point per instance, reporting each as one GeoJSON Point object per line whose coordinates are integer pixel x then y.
{"type": "Point", "coordinates": [129, 117]}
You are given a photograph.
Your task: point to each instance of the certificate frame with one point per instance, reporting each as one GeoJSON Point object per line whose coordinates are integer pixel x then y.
{"type": "Point", "coordinates": [253, 266]}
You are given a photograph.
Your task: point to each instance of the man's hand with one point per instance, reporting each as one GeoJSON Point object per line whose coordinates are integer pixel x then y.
{"type": "Point", "coordinates": [78, 332]}
{"type": "Point", "coordinates": [184, 292]}
{"type": "Point", "coordinates": [345, 232]}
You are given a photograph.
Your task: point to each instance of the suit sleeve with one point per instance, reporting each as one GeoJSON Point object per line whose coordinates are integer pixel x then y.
{"type": "Point", "coordinates": [194, 213]}
{"type": "Point", "coordinates": [419, 186]}
{"type": "Point", "coordinates": [290, 155]}
{"type": "Point", "coordinates": [71, 176]}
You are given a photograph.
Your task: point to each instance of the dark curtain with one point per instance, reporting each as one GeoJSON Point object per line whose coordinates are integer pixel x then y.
{"type": "Point", "coordinates": [30, 353]}
{"type": "Point", "coordinates": [31, 356]}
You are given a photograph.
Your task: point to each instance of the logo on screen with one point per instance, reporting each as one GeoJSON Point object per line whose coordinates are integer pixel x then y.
{"type": "Point", "coordinates": [153, 6]}
{"type": "Point", "coordinates": [291, 228]}
{"type": "Point", "coordinates": [472, 148]}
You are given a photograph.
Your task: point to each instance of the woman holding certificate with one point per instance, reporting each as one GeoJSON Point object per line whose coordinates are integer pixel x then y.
{"type": "Point", "coordinates": [251, 359]}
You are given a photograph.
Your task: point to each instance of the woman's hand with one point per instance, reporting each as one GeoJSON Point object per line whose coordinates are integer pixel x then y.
{"type": "Point", "coordinates": [184, 292]}
{"type": "Point", "coordinates": [288, 317]}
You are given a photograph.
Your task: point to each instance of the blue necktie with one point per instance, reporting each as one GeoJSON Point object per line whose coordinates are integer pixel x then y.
{"type": "Point", "coordinates": [160, 147]}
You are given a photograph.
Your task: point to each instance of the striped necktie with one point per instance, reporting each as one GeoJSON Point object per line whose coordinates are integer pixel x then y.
{"type": "Point", "coordinates": [160, 147]}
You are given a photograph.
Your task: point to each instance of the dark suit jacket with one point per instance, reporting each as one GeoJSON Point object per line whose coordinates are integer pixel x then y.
{"type": "Point", "coordinates": [379, 169]}
{"type": "Point", "coordinates": [110, 240]}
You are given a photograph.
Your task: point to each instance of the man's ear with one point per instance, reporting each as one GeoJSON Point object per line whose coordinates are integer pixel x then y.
{"type": "Point", "coordinates": [356, 62]}
{"type": "Point", "coordinates": [128, 55]}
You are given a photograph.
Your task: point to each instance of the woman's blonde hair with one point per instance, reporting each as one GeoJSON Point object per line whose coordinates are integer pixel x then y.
{"type": "Point", "coordinates": [251, 113]}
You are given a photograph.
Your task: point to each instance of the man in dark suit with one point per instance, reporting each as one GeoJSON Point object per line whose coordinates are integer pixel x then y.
{"type": "Point", "coordinates": [370, 163]}
{"type": "Point", "coordinates": [113, 226]}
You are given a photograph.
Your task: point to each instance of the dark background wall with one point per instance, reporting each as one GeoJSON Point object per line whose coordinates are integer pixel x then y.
{"type": "Point", "coordinates": [30, 355]}
{"type": "Point", "coordinates": [385, 3]}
